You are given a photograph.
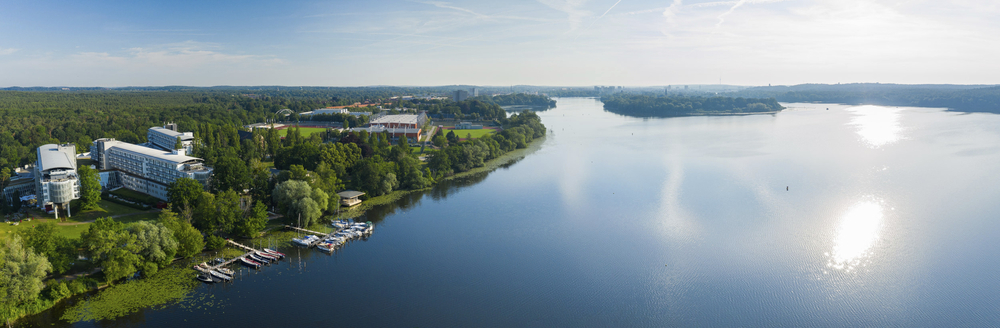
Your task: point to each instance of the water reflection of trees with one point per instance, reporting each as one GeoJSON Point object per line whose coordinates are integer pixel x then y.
{"type": "Point", "coordinates": [439, 192]}
{"type": "Point", "coordinates": [521, 108]}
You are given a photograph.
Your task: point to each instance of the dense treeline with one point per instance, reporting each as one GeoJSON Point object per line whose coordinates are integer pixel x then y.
{"type": "Point", "coordinates": [971, 98]}
{"type": "Point", "coordinates": [459, 156]}
{"type": "Point", "coordinates": [475, 108]}
{"type": "Point", "coordinates": [518, 99]}
{"type": "Point", "coordinates": [643, 105]}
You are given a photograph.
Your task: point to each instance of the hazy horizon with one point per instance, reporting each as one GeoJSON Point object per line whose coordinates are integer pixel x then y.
{"type": "Point", "coordinates": [544, 42]}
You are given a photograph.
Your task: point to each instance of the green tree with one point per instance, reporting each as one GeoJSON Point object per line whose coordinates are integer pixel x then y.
{"type": "Point", "coordinates": [452, 138]}
{"type": "Point", "coordinates": [230, 173]}
{"type": "Point", "coordinates": [439, 140]}
{"type": "Point", "coordinates": [178, 144]}
{"type": "Point", "coordinates": [90, 188]}
{"type": "Point", "coordinates": [113, 248]}
{"type": "Point", "coordinates": [228, 212]}
{"type": "Point", "coordinates": [253, 223]}
{"type": "Point", "coordinates": [307, 210]}
{"type": "Point", "coordinates": [59, 250]}
{"type": "Point", "coordinates": [205, 212]}
{"type": "Point", "coordinates": [21, 274]}
{"type": "Point", "coordinates": [184, 193]}
{"type": "Point", "coordinates": [155, 243]}
{"type": "Point", "coordinates": [214, 242]}
{"type": "Point", "coordinates": [4, 177]}
{"type": "Point", "coordinates": [189, 239]}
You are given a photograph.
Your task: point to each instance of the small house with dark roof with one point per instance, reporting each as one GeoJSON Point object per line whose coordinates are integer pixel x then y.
{"type": "Point", "coordinates": [350, 197]}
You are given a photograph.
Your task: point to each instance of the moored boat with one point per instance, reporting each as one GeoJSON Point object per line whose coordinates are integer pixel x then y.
{"type": "Point", "coordinates": [205, 279]}
{"type": "Point", "coordinates": [274, 252]}
{"type": "Point", "coordinates": [249, 262]}
{"type": "Point", "coordinates": [220, 275]}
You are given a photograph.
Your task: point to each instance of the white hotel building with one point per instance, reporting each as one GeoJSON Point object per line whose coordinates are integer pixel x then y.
{"type": "Point", "coordinates": [166, 137]}
{"type": "Point", "coordinates": [56, 180]}
{"type": "Point", "coordinates": [147, 170]}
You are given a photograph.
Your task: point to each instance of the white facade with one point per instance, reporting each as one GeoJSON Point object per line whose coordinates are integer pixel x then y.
{"type": "Point", "coordinates": [147, 170]}
{"type": "Point", "coordinates": [56, 180]}
{"type": "Point", "coordinates": [166, 138]}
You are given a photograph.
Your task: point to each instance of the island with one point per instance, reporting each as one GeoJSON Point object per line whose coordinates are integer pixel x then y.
{"type": "Point", "coordinates": [646, 105]}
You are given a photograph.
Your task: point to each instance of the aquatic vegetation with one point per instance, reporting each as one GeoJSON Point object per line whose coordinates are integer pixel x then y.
{"type": "Point", "coordinates": [168, 286]}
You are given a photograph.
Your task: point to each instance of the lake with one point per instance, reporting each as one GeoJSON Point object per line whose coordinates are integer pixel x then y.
{"type": "Point", "coordinates": [820, 215]}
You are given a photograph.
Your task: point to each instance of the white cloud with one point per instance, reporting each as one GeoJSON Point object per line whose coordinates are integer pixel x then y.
{"type": "Point", "coordinates": [184, 55]}
{"type": "Point", "coordinates": [7, 51]}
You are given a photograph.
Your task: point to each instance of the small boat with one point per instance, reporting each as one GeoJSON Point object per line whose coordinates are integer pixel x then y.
{"type": "Point", "coordinates": [250, 263]}
{"type": "Point", "coordinates": [225, 271]}
{"type": "Point", "coordinates": [269, 257]}
{"type": "Point", "coordinates": [219, 260]}
{"type": "Point", "coordinates": [205, 279]}
{"type": "Point", "coordinates": [274, 252]}
{"type": "Point", "coordinates": [260, 260]}
{"type": "Point", "coordinates": [326, 247]}
{"type": "Point", "coordinates": [220, 275]}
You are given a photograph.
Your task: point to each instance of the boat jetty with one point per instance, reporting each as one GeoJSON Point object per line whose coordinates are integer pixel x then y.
{"type": "Point", "coordinates": [343, 232]}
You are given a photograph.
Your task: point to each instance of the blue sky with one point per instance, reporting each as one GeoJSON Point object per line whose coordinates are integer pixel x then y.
{"type": "Point", "coordinates": [543, 42]}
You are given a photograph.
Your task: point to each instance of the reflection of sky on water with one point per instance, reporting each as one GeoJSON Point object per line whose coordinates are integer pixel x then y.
{"type": "Point", "coordinates": [856, 234]}
{"type": "Point", "coordinates": [877, 125]}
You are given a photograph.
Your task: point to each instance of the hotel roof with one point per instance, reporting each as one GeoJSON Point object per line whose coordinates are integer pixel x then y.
{"type": "Point", "coordinates": [51, 157]}
{"type": "Point", "coordinates": [164, 155]}
{"type": "Point", "coordinates": [172, 133]}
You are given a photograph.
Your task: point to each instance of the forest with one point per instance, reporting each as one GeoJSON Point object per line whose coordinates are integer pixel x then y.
{"type": "Point", "coordinates": [646, 105]}
{"type": "Point", "coordinates": [966, 98]}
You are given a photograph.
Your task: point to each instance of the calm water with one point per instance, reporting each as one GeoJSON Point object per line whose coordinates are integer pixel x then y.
{"type": "Point", "coordinates": [890, 218]}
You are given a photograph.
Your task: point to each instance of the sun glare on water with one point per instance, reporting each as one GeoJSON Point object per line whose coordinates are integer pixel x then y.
{"type": "Point", "coordinates": [878, 126]}
{"type": "Point", "coordinates": [857, 233]}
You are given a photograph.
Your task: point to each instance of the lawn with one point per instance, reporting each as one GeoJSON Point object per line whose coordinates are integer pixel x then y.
{"type": "Point", "coordinates": [475, 133]}
{"type": "Point", "coordinates": [74, 231]}
{"type": "Point", "coordinates": [305, 132]}
{"type": "Point", "coordinates": [68, 231]}
{"type": "Point", "coordinates": [106, 209]}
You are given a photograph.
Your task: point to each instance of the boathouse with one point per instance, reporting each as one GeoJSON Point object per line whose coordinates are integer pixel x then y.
{"type": "Point", "coordinates": [350, 197]}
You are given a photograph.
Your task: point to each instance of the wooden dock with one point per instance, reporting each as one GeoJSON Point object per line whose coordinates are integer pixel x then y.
{"type": "Point", "coordinates": [250, 250]}
{"type": "Point", "coordinates": [325, 235]}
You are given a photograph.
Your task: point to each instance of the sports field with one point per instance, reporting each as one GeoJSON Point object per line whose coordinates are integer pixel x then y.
{"type": "Point", "coordinates": [305, 132]}
{"type": "Point", "coordinates": [475, 133]}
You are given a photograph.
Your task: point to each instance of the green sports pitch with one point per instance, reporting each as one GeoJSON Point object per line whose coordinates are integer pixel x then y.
{"type": "Point", "coordinates": [305, 132]}
{"type": "Point", "coordinates": [475, 133]}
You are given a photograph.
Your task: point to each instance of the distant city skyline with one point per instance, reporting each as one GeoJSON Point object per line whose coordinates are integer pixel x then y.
{"type": "Point", "coordinates": [497, 43]}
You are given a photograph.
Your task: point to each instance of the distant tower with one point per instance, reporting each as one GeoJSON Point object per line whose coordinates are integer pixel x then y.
{"type": "Point", "coordinates": [473, 92]}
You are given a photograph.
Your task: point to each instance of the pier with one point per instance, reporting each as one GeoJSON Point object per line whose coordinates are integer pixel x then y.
{"type": "Point", "coordinates": [325, 235]}
{"type": "Point", "coordinates": [250, 250]}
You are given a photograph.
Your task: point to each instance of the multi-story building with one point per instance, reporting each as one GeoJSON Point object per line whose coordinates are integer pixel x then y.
{"type": "Point", "coordinates": [147, 170]}
{"type": "Point", "coordinates": [56, 180]}
{"type": "Point", "coordinates": [460, 95]}
{"type": "Point", "coordinates": [166, 137]}
{"type": "Point", "coordinates": [21, 185]}
{"type": "Point", "coordinates": [397, 125]}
